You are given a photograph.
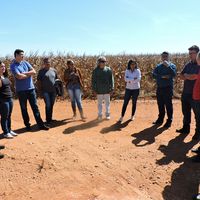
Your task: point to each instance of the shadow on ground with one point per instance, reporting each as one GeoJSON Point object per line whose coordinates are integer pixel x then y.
{"type": "Point", "coordinates": [184, 182]}
{"type": "Point", "coordinates": [147, 136]}
{"type": "Point", "coordinates": [34, 128]}
{"type": "Point", "coordinates": [185, 179]}
{"type": "Point", "coordinates": [118, 126]}
{"type": "Point", "coordinates": [83, 126]}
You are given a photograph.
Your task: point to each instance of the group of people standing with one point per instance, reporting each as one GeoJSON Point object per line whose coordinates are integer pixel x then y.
{"type": "Point", "coordinates": [190, 98]}
{"type": "Point", "coordinates": [102, 86]}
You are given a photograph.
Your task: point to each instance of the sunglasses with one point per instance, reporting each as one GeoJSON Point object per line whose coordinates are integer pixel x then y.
{"type": "Point", "coordinates": [192, 53]}
{"type": "Point", "coordinates": [165, 56]}
{"type": "Point", "coordinates": [102, 61]}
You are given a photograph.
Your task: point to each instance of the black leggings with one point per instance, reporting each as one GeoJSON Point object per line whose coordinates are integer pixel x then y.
{"type": "Point", "coordinates": [128, 94]}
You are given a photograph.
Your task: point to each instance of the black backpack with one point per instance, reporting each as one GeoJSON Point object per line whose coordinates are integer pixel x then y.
{"type": "Point", "coordinates": [59, 87]}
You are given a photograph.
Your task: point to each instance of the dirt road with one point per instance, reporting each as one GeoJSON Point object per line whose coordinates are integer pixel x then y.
{"type": "Point", "coordinates": [99, 160]}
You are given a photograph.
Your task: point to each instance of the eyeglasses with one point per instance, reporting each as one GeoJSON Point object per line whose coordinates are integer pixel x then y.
{"type": "Point", "coordinates": [102, 61]}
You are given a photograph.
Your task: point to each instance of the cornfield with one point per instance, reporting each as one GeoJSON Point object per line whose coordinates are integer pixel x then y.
{"type": "Point", "coordinates": [117, 63]}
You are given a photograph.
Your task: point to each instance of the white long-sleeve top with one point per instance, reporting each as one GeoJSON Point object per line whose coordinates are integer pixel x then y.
{"type": "Point", "coordinates": [132, 79]}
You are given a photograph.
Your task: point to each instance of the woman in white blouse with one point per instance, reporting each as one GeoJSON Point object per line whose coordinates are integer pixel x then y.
{"type": "Point", "coordinates": [132, 79]}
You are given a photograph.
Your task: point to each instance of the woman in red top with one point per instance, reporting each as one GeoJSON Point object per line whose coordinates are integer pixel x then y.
{"type": "Point", "coordinates": [196, 107]}
{"type": "Point", "coordinates": [196, 102]}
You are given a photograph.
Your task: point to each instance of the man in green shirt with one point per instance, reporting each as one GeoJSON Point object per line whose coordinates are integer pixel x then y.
{"type": "Point", "coordinates": [102, 85]}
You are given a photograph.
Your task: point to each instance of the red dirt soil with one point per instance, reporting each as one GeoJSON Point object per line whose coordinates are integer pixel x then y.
{"type": "Point", "coordinates": [99, 160]}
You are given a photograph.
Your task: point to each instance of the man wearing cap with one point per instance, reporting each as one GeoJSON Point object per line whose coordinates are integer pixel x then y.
{"type": "Point", "coordinates": [188, 74]}
{"type": "Point", "coordinates": [102, 85]}
{"type": "Point", "coordinates": [164, 74]}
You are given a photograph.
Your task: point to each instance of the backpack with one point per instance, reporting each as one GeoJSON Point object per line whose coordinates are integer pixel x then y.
{"type": "Point", "coordinates": [59, 87]}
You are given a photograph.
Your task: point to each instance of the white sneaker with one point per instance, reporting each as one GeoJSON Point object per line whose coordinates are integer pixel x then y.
{"type": "Point", "coordinates": [120, 119]}
{"type": "Point", "coordinates": [132, 118]}
{"type": "Point", "coordinates": [108, 117]}
{"type": "Point", "coordinates": [13, 133]}
{"type": "Point", "coordinates": [8, 136]}
{"type": "Point", "coordinates": [198, 196]}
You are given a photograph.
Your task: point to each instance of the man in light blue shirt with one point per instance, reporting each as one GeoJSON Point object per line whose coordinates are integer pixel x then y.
{"type": "Point", "coordinates": [23, 72]}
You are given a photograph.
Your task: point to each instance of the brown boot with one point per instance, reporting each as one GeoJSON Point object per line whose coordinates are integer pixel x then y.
{"type": "Point", "coordinates": [82, 116]}
{"type": "Point", "coordinates": [74, 116]}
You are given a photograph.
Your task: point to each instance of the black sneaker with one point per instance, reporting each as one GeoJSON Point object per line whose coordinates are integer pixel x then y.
{"type": "Point", "coordinates": [184, 130]}
{"type": "Point", "coordinates": [196, 136]}
{"type": "Point", "coordinates": [197, 150]}
{"type": "Point", "coordinates": [167, 124]}
{"type": "Point", "coordinates": [44, 127]}
{"type": "Point", "coordinates": [2, 147]}
{"type": "Point", "coordinates": [196, 159]}
{"type": "Point", "coordinates": [28, 128]}
{"type": "Point", "coordinates": [1, 156]}
{"type": "Point", "coordinates": [48, 123]}
{"type": "Point", "coordinates": [53, 120]}
{"type": "Point", "coordinates": [158, 122]}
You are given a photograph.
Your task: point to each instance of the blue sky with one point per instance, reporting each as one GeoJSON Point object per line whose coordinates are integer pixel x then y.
{"type": "Point", "coordinates": [96, 26]}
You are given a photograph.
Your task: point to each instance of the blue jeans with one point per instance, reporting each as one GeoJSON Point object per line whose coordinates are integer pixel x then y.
{"type": "Point", "coordinates": [6, 107]}
{"type": "Point", "coordinates": [49, 99]}
{"type": "Point", "coordinates": [164, 100]}
{"type": "Point", "coordinates": [75, 93]}
{"type": "Point", "coordinates": [128, 95]}
{"type": "Point", "coordinates": [29, 95]}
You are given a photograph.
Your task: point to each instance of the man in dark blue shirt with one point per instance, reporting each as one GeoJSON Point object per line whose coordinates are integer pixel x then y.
{"type": "Point", "coordinates": [164, 74]}
{"type": "Point", "coordinates": [188, 74]}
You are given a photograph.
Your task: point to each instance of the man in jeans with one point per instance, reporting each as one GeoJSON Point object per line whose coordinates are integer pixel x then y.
{"type": "Point", "coordinates": [25, 89]}
{"type": "Point", "coordinates": [46, 81]}
{"type": "Point", "coordinates": [164, 74]}
{"type": "Point", "coordinates": [188, 74]}
{"type": "Point", "coordinates": [102, 85]}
